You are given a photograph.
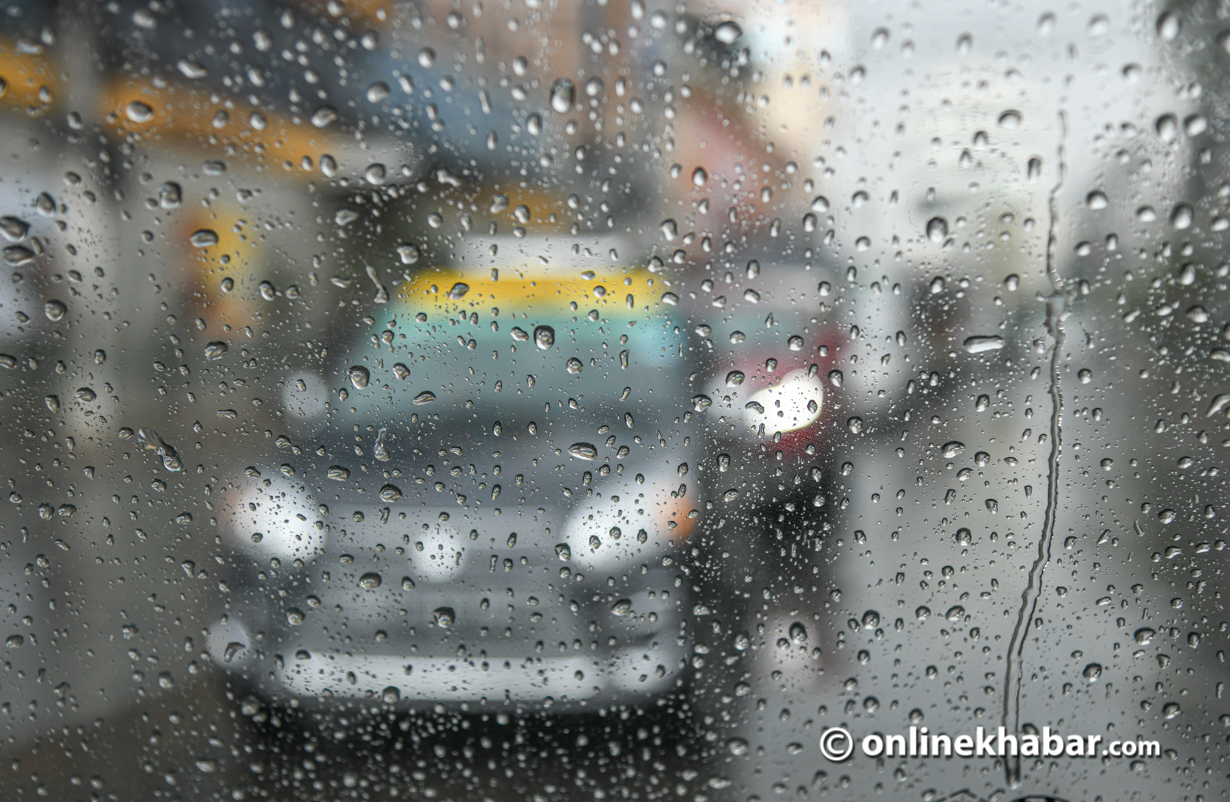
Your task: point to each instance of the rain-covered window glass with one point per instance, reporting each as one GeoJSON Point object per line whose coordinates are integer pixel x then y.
{"type": "Point", "coordinates": [614, 399]}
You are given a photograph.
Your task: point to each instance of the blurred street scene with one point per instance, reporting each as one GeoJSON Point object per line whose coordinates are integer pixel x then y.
{"type": "Point", "coordinates": [542, 400]}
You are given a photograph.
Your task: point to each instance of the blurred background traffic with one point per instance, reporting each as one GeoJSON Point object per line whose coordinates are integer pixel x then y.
{"type": "Point", "coordinates": [544, 400]}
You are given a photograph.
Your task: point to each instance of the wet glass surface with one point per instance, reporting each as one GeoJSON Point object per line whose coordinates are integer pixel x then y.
{"type": "Point", "coordinates": [552, 401]}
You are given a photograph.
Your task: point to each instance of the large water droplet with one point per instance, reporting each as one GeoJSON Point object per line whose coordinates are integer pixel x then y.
{"type": "Point", "coordinates": [622, 607]}
{"type": "Point", "coordinates": [982, 344]}
{"type": "Point", "coordinates": [215, 351]}
{"type": "Point", "coordinates": [458, 291]}
{"type": "Point", "coordinates": [203, 238]}
{"type": "Point", "coordinates": [381, 450]}
{"type": "Point", "coordinates": [324, 116]}
{"type": "Point", "coordinates": [359, 376]}
{"type": "Point", "coordinates": [1092, 672]}
{"type": "Point", "coordinates": [408, 253]}
{"type": "Point", "coordinates": [953, 448]}
{"type": "Point", "coordinates": [937, 229]}
{"type": "Point", "coordinates": [170, 195]}
{"type": "Point", "coordinates": [586, 451]}
{"type": "Point", "coordinates": [544, 337]}
{"type": "Point", "coordinates": [425, 397]}
{"type": "Point", "coordinates": [563, 94]}
{"type": "Point", "coordinates": [390, 493]}
{"type": "Point", "coordinates": [370, 581]}
{"type": "Point", "coordinates": [444, 617]}
{"type": "Point", "coordinates": [377, 92]}
{"type": "Point", "coordinates": [390, 695]}
{"type": "Point", "coordinates": [139, 112]}
{"type": "Point", "coordinates": [700, 177]}
{"type": "Point", "coordinates": [727, 33]}
{"type": "Point", "coordinates": [55, 310]}
{"type": "Point", "coordinates": [295, 616]}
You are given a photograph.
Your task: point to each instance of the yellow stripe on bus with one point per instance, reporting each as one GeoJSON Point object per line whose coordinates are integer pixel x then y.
{"type": "Point", "coordinates": [31, 82]}
{"type": "Point", "coordinates": [607, 290]}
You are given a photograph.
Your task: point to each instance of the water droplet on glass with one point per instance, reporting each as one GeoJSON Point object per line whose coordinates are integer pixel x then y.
{"type": "Point", "coordinates": [324, 116]}
{"type": "Point", "coordinates": [855, 425]}
{"type": "Point", "coordinates": [338, 473]}
{"type": "Point", "coordinates": [544, 337]}
{"type": "Point", "coordinates": [563, 93]}
{"type": "Point", "coordinates": [425, 397]}
{"type": "Point", "coordinates": [700, 177]}
{"type": "Point", "coordinates": [139, 112]}
{"type": "Point", "coordinates": [937, 229]}
{"type": "Point", "coordinates": [1182, 217]}
{"type": "Point", "coordinates": [458, 291]}
{"type": "Point", "coordinates": [734, 378]}
{"type": "Point", "coordinates": [233, 648]}
{"type": "Point", "coordinates": [727, 33]}
{"type": "Point", "coordinates": [295, 616]}
{"type": "Point", "coordinates": [390, 493]}
{"type": "Point", "coordinates": [594, 86]}
{"type": "Point", "coordinates": [444, 617]}
{"type": "Point", "coordinates": [170, 195]}
{"type": "Point", "coordinates": [736, 746]}
{"type": "Point", "coordinates": [380, 450]}
{"type": "Point", "coordinates": [1167, 127]}
{"type": "Point", "coordinates": [370, 581]}
{"type": "Point", "coordinates": [55, 310]}
{"type": "Point", "coordinates": [1097, 200]}
{"type": "Point", "coordinates": [359, 376]}
{"type": "Point", "coordinates": [427, 57]}
{"type": "Point", "coordinates": [701, 402]}
{"type": "Point", "coordinates": [798, 633]}
{"type": "Point", "coordinates": [390, 695]}
{"type": "Point", "coordinates": [952, 449]}
{"type": "Point", "coordinates": [622, 607]}
{"type": "Point", "coordinates": [377, 92]}
{"type": "Point", "coordinates": [586, 451]}
{"type": "Point", "coordinates": [1092, 672]}
{"type": "Point", "coordinates": [1010, 120]}
{"type": "Point", "coordinates": [408, 253]}
{"type": "Point", "coordinates": [215, 351]}
{"type": "Point", "coordinates": [982, 344]}
{"type": "Point", "coordinates": [574, 365]}
{"type": "Point", "coordinates": [1144, 635]}
{"type": "Point", "coordinates": [203, 238]}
